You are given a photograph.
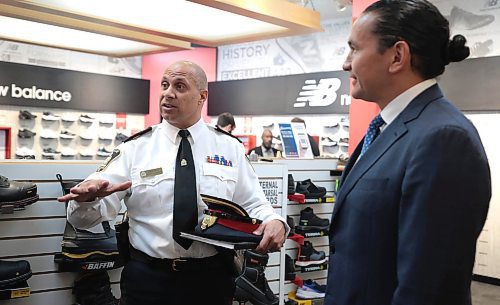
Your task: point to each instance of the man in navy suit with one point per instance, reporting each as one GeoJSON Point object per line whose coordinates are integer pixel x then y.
{"type": "Point", "coordinates": [412, 204]}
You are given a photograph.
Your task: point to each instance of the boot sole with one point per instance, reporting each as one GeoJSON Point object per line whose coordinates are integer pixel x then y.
{"type": "Point", "coordinates": [21, 203]}
{"type": "Point", "coordinates": [309, 263]}
{"type": "Point", "coordinates": [12, 281]}
{"type": "Point", "coordinates": [311, 228]}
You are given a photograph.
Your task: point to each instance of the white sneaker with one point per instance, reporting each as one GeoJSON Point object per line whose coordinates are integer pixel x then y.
{"type": "Point", "coordinates": [68, 152]}
{"type": "Point", "coordinates": [48, 134]}
{"type": "Point", "coordinates": [87, 153]}
{"type": "Point", "coordinates": [107, 120]}
{"type": "Point", "coordinates": [87, 135]}
{"type": "Point", "coordinates": [67, 135]}
{"type": "Point", "coordinates": [106, 135]}
{"type": "Point", "coordinates": [67, 117]}
{"type": "Point", "coordinates": [49, 116]}
{"type": "Point", "coordinates": [25, 152]}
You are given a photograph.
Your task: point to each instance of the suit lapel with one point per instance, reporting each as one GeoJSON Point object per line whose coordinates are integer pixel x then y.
{"type": "Point", "coordinates": [355, 170]}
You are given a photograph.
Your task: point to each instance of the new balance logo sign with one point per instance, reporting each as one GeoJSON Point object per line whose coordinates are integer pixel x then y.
{"type": "Point", "coordinates": [98, 266]}
{"type": "Point", "coordinates": [320, 94]}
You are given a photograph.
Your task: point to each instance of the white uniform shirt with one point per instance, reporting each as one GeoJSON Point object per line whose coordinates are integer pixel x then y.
{"type": "Point", "coordinates": [149, 162]}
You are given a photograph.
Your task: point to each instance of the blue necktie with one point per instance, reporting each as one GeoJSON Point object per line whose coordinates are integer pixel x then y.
{"type": "Point", "coordinates": [372, 132]}
{"type": "Point", "coordinates": [185, 197]}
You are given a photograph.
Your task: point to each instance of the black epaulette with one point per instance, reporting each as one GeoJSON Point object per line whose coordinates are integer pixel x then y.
{"type": "Point", "coordinates": [140, 133]}
{"type": "Point", "coordinates": [226, 133]}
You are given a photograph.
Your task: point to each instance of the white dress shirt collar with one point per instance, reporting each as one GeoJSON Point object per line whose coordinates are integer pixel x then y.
{"type": "Point", "coordinates": [195, 131]}
{"type": "Point", "coordinates": [397, 105]}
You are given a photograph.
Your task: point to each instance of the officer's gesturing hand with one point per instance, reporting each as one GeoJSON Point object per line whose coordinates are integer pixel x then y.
{"type": "Point", "coordinates": [91, 189]}
{"type": "Point", "coordinates": [273, 235]}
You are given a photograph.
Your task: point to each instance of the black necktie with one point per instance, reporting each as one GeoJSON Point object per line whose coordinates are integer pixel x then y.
{"type": "Point", "coordinates": [185, 198]}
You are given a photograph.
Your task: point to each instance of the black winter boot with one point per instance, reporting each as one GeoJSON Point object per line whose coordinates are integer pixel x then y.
{"type": "Point", "coordinates": [14, 272]}
{"type": "Point", "coordinates": [252, 285]}
{"type": "Point", "coordinates": [94, 288]}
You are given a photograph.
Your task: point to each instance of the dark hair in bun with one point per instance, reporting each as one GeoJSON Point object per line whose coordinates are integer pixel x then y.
{"type": "Point", "coordinates": [457, 50]}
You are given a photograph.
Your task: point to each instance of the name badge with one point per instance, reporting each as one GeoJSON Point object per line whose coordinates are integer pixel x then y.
{"type": "Point", "coordinates": [151, 172]}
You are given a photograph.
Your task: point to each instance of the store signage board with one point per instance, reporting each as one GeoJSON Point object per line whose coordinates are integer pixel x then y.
{"type": "Point", "coordinates": [295, 141]}
{"type": "Point", "coordinates": [35, 86]}
{"type": "Point", "coordinates": [273, 189]}
{"type": "Point", "coordinates": [311, 93]}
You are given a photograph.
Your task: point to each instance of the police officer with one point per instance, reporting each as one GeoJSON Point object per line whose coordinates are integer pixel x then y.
{"type": "Point", "coordinates": [142, 171]}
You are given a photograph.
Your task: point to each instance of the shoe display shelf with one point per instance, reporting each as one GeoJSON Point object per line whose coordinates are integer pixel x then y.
{"type": "Point", "coordinates": [319, 171]}
{"type": "Point", "coordinates": [296, 301]}
{"type": "Point", "coordinates": [301, 198]}
{"type": "Point", "coordinates": [20, 290]}
{"type": "Point", "coordinates": [311, 233]}
{"type": "Point", "coordinates": [35, 233]}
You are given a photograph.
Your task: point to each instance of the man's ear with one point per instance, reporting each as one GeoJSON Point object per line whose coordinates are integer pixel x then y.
{"type": "Point", "coordinates": [203, 96]}
{"type": "Point", "coordinates": [401, 58]}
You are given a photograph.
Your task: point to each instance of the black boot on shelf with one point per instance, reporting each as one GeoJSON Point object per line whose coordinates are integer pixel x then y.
{"type": "Point", "coordinates": [252, 284]}
{"type": "Point", "coordinates": [291, 185]}
{"type": "Point", "coordinates": [310, 256]}
{"type": "Point", "coordinates": [310, 221]}
{"type": "Point", "coordinates": [13, 273]}
{"type": "Point", "coordinates": [289, 268]}
{"type": "Point", "coordinates": [16, 193]}
{"type": "Point", "coordinates": [309, 189]}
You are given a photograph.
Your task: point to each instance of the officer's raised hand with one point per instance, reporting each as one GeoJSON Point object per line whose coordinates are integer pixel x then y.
{"type": "Point", "coordinates": [91, 189]}
{"type": "Point", "coordinates": [273, 235]}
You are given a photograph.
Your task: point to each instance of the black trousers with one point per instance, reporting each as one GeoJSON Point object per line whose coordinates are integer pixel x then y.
{"type": "Point", "coordinates": [146, 284]}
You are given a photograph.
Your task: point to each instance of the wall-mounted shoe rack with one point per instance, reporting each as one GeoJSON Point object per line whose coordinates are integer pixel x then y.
{"type": "Point", "coordinates": [35, 233]}
{"type": "Point", "coordinates": [319, 171]}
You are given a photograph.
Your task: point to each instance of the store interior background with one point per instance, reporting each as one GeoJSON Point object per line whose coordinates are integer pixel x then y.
{"type": "Point", "coordinates": [318, 52]}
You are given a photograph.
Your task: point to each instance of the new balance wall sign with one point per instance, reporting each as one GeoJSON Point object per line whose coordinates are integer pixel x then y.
{"type": "Point", "coordinates": [34, 86]}
{"type": "Point", "coordinates": [312, 93]}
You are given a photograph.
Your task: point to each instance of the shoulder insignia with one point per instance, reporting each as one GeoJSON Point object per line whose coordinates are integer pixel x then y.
{"type": "Point", "coordinates": [217, 128]}
{"type": "Point", "coordinates": [114, 155]}
{"type": "Point", "coordinates": [137, 135]}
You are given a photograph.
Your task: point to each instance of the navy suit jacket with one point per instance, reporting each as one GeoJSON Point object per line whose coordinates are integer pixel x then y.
{"type": "Point", "coordinates": [408, 213]}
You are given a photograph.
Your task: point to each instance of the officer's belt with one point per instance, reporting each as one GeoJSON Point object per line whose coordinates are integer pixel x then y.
{"type": "Point", "coordinates": [178, 264]}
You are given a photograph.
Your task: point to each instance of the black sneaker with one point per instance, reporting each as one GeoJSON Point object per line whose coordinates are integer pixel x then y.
{"type": "Point", "coordinates": [13, 272]}
{"type": "Point", "coordinates": [50, 153]}
{"type": "Point", "coordinates": [310, 221]}
{"type": "Point", "coordinates": [120, 137]}
{"type": "Point", "coordinates": [310, 256]}
{"type": "Point", "coordinates": [103, 152]}
{"type": "Point", "coordinates": [289, 268]}
{"type": "Point", "coordinates": [26, 115]}
{"type": "Point", "coordinates": [18, 194]}
{"type": "Point", "coordinates": [291, 185]}
{"type": "Point", "coordinates": [309, 189]}
{"type": "Point", "coordinates": [86, 118]}
{"type": "Point", "coordinates": [25, 133]}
